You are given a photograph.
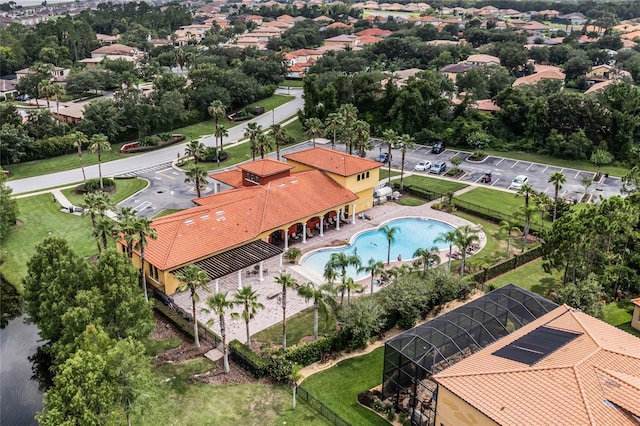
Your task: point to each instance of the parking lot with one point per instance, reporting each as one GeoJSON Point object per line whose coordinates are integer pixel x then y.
{"type": "Point", "coordinates": [504, 170]}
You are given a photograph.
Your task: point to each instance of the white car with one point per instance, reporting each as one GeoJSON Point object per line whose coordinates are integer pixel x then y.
{"type": "Point", "coordinates": [423, 166]}
{"type": "Point", "coordinates": [518, 181]}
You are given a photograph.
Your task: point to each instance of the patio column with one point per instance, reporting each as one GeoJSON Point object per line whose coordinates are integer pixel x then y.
{"type": "Point", "coordinates": [304, 232]}
{"type": "Point", "coordinates": [353, 217]}
{"type": "Point", "coordinates": [322, 226]}
{"type": "Point", "coordinates": [217, 285]}
{"type": "Point", "coordinates": [338, 220]}
{"type": "Point", "coordinates": [239, 279]}
{"type": "Point", "coordinates": [261, 270]}
{"type": "Point", "coordinates": [286, 239]}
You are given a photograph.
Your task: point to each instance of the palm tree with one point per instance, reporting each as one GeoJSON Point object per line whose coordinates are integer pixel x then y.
{"type": "Point", "coordinates": [99, 143]}
{"type": "Point", "coordinates": [349, 114]}
{"type": "Point", "coordinates": [373, 267]}
{"type": "Point", "coordinates": [406, 142]}
{"type": "Point", "coordinates": [195, 149]}
{"type": "Point", "coordinates": [96, 203]}
{"type": "Point", "coordinates": [334, 123]}
{"type": "Point", "coordinates": [279, 135]}
{"type": "Point", "coordinates": [251, 132]}
{"type": "Point", "coordinates": [104, 227]}
{"type": "Point", "coordinates": [341, 261]}
{"type": "Point", "coordinates": [323, 299]}
{"type": "Point", "coordinates": [143, 226]}
{"type": "Point", "coordinates": [525, 213]}
{"type": "Point", "coordinates": [193, 278]}
{"type": "Point", "coordinates": [391, 139]}
{"type": "Point", "coordinates": [217, 111]}
{"type": "Point", "coordinates": [80, 139]}
{"type": "Point", "coordinates": [361, 132]}
{"type": "Point", "coordinates": [198, 176]}
{"type": "Point", "coordinates": [126, 218]}
{"type": "Point", "coordinates": [448, 237]}
{"type": "Point", "coordinates": [263, 144]}
{"type": "Point", "coordinates": [508, 228]}
{"type": "Point", "coordinates": [286, 281]}
{"type": "Point", "coordinates": [526, 191]}
{"type": "Point", "coordinates": [390, 234]}
{"type": "Point", "coordinates": [221, 133]}
{"type": "Point", "coordinates": [249, 301]}
{"type": "Point", "coordinates": [426, 258]}
{"type": "Point", "coordinates": [44, 90]}
{"type": "Point", "coordinates": [557, 179]}
{"type": "Point", "coordinates": [57, 90]}
{"type": "Point", "coordinates": [348, 285]}
{"type": "Point", "coordinates": [465, 237]}
{"type": "Point", "coordinates": [314, 128]}
{"type": "Point", "coordinates": [219, 305]}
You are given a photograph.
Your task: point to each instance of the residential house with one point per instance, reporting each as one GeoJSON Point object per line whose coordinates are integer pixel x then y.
{"type": "Point", "coordinates": [58, 74]}
{"type": "Point", "coordinates": [8, 88]}
{"type": "Point", "coordinates": [635, 317]}
{"type": "Point", "coordinates": [573, 18]}
{"type": "Point", "coordinates": [452, 70]}
{"type": "Point", "coordinates": [374, 32]}
{"type": "Point", "coordinates": [344, 41]}
{"type": "Point", "coordinates": [113, 52]}
{"type": "Point", "coordinates": [70, 113]}
{"type": "Point", "coordinates": [543, 72]}
{"type": "Point", "coordinates": [482, 59]}
{"type": "Point", "coordinates": [107, 40]}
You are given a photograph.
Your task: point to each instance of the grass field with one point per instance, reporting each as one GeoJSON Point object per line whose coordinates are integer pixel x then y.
{"type": "Point", "coordinates": [124, 189]}
{"type": "Point", "coordinates": [408, 200]}
{"type": "Point", "coordinates": [40, 217]}
{"type": "Point", "coordinates": [432, 184]}
{"type": "Point", "coordinates": [296, 131]}
{"type": "Point", "coordinates": [291, 83]}
{"type": "Point", "coordinates": [298, 326]}
{"type": "Point", "coordinates": [569, 164]}
{"type": "Point", "coordinates": [339, 386]}
{"type": "Point", "coordinates": [530, 276]}
{"type": "Point", "coordinates": [619, 314]}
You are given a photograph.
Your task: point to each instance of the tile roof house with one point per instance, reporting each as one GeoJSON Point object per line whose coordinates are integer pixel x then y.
{"type": "Point", "coordinates": [565, 368]}
{"type": "Point", "coordinates": [635, 317]}
{"type": "Point", "coordinates": [542, 73]}
{"type": "Point", "coordinates": [269, 203]}
{"type": "Point", "coordinates": [452, 70]}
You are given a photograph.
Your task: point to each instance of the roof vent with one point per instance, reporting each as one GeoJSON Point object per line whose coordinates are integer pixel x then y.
{"type": "Point", "coordinates": [282, 185]}
{"type": "Point", "coordinates": [293, 182]}
{"type": "Point", "coordinates": [219, 212]}
{"type": "Point", "coordinates": [188, 221]}
{"type": "Point", "coordinates": [204, 217]}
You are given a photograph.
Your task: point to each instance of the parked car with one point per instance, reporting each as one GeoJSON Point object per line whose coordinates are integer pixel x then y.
{"type": "Point", "coordinates": [22, 98]}
{"type": "Point", "coordinates": [438, 167]}
{"type": "Point", "coordinates": [423, 166]}
{"type": "Point", "coordinates": [518, 181]}
{"type": "Point", "coordinates": [383, 158]}
{"type": "Point", "coordinates": [437, 147]}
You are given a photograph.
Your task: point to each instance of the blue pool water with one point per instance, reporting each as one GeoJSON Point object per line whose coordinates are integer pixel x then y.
{"type": "Point", "coordinates": [412, 234]}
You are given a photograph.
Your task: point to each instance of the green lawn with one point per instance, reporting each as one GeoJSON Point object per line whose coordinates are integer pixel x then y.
{"type": "Point", "coordinates": [40, 217]}
{"type": "Point", "coordinates": [530, 276]}
{"type": "Point", "coordinates": [298, 326]}
{"type": "Point", "coordinates": [619, 315]}
{"type": "Point", "coordinates": [339, 386]}
{"type": "Point", "coordinates": [154, 347]}
{"type": "Point", "coordinates": [292, 83]}
{"type": "Point", "coordinates": [408, 200]}
{"type": "Point", "coordinates": [384, 173]}
{"type": "Point", "coordinates": [431, 184]}
{"type": "Point", "coordinates": [296, 131]}
{"type": "Point", "coordinates": [124, 189]}
{"type": "Point", "coordinates": [570, 164]}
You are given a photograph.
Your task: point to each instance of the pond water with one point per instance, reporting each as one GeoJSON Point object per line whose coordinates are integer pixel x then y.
{"type": "Point", "coordinates": [412, 233]}
{"type": "Point", "coordinates": [21, 396]}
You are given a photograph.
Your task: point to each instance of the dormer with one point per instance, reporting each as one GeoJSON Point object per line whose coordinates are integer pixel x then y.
{"type": "Point", "coordinates": [261, 172]}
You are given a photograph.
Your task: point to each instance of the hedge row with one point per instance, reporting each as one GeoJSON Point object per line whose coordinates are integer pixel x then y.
{"type": "Point", "coordinates": [174, 139]}
{"type": "Point", "coordinates": [507, 265]}
{"type": "Point", "coordinates": [312, 352]}
{"type": "Point", "coordinates": [184, 325]}
{"type": "Point", "coordinates": [249, 360]}
{"type": "Point", "coordinates": [423, 193]}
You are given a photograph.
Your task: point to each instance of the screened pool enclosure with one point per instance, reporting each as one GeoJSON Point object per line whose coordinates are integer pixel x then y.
{"type": "Point", "coordinates": [411, 358]}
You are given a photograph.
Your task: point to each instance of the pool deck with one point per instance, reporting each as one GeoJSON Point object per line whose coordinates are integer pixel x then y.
{"type": "Point", "coordinates": [269, 291]}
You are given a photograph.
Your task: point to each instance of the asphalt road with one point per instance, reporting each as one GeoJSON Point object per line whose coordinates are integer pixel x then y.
{"type": "Point", "coordinates": [504, 170]}
{"type": "Point", "coordinates": [154, 158]}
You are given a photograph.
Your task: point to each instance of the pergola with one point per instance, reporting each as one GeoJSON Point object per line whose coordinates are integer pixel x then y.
{"type": "Point", "coordinates": [236, 260]}
{"type": "Point", "coordinates": [411, 358]}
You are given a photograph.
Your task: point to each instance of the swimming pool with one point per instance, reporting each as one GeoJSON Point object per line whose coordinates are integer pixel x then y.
{"type": "Point", "coordinates": [413, 233]}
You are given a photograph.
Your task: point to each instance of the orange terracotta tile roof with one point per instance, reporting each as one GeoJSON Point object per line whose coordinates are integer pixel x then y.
{"type": "Point", "coordinates": [333, 161]}
{"type": "Point", "coordinates": [578, 384]}
{"type": "Point", "coordinates": [369, 39]}
{"type": "Point", "coordinates": [237, 216]}
{"type": "Point", "coordinates": [265, 167]}
{"type": "Point", "coordinates": [231, 177]}
{"type": "Point", "coordinates": [375, 32]}
{"type": "Point", "coordinates": [538, 76]}
{"type": "Point", "coordinates": [636, 301]}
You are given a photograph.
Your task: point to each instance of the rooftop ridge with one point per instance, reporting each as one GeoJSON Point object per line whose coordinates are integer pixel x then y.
{"type": "Point", "coordinates": [583, 395]}
{"type": "Point", "coordinates": [599, 344]}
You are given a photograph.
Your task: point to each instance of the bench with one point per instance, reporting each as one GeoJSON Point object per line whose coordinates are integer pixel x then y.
{"type": "Point", "coordinates": [274, 295]}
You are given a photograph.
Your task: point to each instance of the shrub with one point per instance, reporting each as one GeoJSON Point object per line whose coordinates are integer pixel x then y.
{"type": "Point", "coordinates": [211, 153]}
{"type": "Point", "coordinates": [93, 185]}
{"type": "Point", "coordinates": [279, 369]}
{"type": "Point", "coordinates": [153, 140]}
{"type": "Point", "coordinates": [248, 359]}
{"type": "Point", "coordinates": [312, 352]}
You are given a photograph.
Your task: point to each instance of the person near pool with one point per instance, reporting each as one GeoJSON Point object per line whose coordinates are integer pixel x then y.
{"type": "Point", "coordinates": [399, 258]}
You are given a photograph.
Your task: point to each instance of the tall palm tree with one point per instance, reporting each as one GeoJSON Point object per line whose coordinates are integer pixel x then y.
{"type": "Point", "coordinates": [286, 281]}
{"type": "Point", "coordinates": [314, 128]}
{"type": "Point", "coordinates": [349, 114]}
{"type": "Point", "coordinates": [334, 123]}
{"type": "Point", "coordinates": [195, 149]}
{"type": "Point", "coordinates": [373, 267]}
{"type": "Point", "coordinates": [465, 237]}
{"type": "Point", "coordinates": [198, 176]}
{"type": "Point", "coordinates": [126, 218]}
{"type": "Point", "coordinates": [57, 90]}
{"type": "Point", "coordinates": [104, 227]}
{"type": "Point", "coordinates": [361, 132]}
{"type": "Point", "coordinates": [221, 133]}
{"type": "Point", "coordinates": [508, 228]}
{"type": "Point", "coordinates": [96, 204]}
{"type": "Point", "coordinates": [44, 90]}
{"type": "Point", "coordinates": [219, 305]}
{"type": "Point", "coordinates": [406, 142]}
{"type": "Point", "coordinates": [323, 299]}
{"type": "Point", "coordinates": [390, 137]}
{"type": "Point", "coordinates": [193, 278]}
{"type": "Point", "coordinates": [525, 213]}
{"type": "Point", "coordinates": [263, 144]}
{"type": "Point", "coordinates": [217, 111]}
{"type": "Point", "coordinates": [248, 299]}
{"type": "Point", "coordinates": [389, 233]}
{"type": "Point", "coordinates": [98, 144]}
{"type": "Point", "coordinates": [557, 179]}
{"type": "Point", "coordinates": [251, 132]}
{"type": "Point", "coordinates": [448, 237]}
{"type": "Point", "coordinates": [279, 135]}
{"type": "Point", "coordinates": [340, 262]}
{"type": "Point", "coordinates": [349, 285]}
{"type": "Point", "coordinates": [527, 192]}
{"type": "Point", "coordinates": [425, 258]}
{"type": "Point", "coordinates": [80, 139]}
{"type": "Point", "coordinates": [143, 226]}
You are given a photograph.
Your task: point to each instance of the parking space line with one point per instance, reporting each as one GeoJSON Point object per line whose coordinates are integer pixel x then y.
{"type": "Point", "coordinates": [545, 190]}
{"type": "Point", "coordinates": [577, 174]}
{"type": "Point", "coordinates": [545, 169]}
{"type": "Point", "coordinates": [515, 164]}
{"type": "Point", "coordinates": [501, 160]}
{"type": "Point", "coordinates": [562, 170]}
{"type": "Point", "coordinates": [497, 180]}
{"type": "Point", "coordinates": [478, 180]}
{"type": "Point", "coordinates": [530, 166]}
{"type": "Point", "coordinates": [167, 176]}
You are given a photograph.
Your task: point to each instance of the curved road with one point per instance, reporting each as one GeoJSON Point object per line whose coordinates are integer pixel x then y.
{"type": "Point", "coordinates": [166, 155]}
